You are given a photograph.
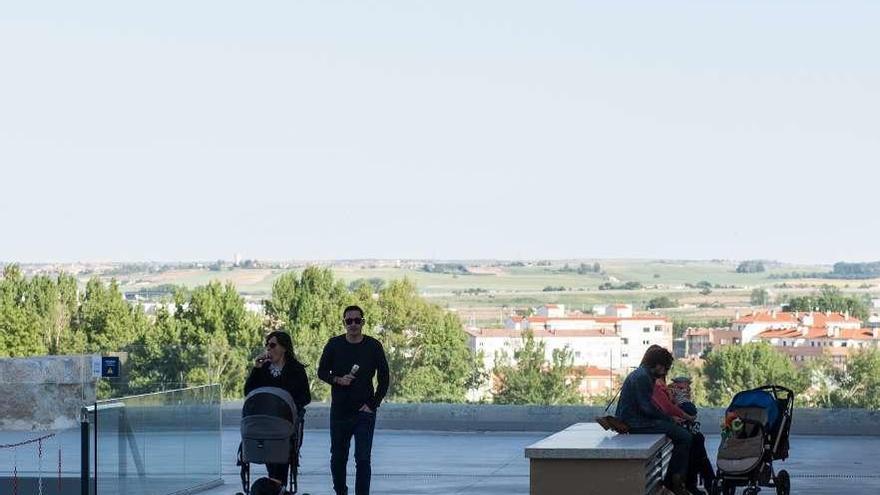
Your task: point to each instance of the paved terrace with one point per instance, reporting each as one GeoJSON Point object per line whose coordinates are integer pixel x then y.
{"type": "Point", "coordinates": [419, 462]}
{"type": "Point", "coordinates": [421, 449]}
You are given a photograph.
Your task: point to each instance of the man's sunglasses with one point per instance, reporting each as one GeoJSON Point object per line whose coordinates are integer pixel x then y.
{"type": "Point", "coordinates": [271, 345]}
{"type": "Point", "coordinates": [354, 321]}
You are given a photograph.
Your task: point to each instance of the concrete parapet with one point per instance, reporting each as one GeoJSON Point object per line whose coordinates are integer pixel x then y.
{"type": "Point", "coordinates": [490, 417]}
{"type": "Point", "coordinates": [45, 392]}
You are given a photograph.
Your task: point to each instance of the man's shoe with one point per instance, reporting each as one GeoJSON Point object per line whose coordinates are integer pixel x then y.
{"type": "Point", "coordinates": [677, 482]}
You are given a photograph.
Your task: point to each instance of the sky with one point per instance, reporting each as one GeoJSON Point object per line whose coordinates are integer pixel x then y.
{"type": "Point", "coordinates": [506, 129]}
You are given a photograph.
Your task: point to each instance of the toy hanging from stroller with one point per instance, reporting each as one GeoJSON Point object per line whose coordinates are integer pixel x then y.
{"type": "Point", "coordinates": [754, 434]}
{"type": "Point", "coordinates": [271, 433]}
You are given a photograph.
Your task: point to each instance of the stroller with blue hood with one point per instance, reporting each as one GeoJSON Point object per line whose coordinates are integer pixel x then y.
{"type": "Point", "coordinates": [271, 433]}
{"type": "Point", "coordinates": [755, 433]}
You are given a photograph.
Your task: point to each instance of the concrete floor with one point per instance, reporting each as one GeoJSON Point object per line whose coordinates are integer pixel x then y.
{"type": "Point", "coordinates": [415, 463]}
{"type": "Point", "coordinates": [418, 462]}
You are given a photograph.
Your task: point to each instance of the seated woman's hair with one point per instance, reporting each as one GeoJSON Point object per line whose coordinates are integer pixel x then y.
{"type": "Point", "coordinates": [266, 486]}
{"type": "Point", "coordinates": [657, 355]}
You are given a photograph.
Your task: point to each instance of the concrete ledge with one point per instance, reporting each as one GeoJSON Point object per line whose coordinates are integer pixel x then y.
{"type": "Point", "coordinates": [590, 441]}
{"type": "Point", "coordinates": [491, 417]}
{"type": "Point", "coordinates": [597, 462]}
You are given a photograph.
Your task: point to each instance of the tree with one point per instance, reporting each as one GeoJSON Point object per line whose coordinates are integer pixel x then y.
{"type": "Point", "coordinates": [662, 302]}
{"type": "Point", "coordinates": [751, 266]}
{"type": "Point", "coordinates": [104, 321]}
{"type": "Point", "coordinates": [19, 322]}
{"type": "Point", "coordinates": [309, 307]}
{"type": "Point", "coordinates": [220, 337]}
{"type": "Point", "coordinates": [375, 283]}
{"type": "Point", "coordinates": [35, 314]}
{"type": "Point", "coordinates": [830, 298]}
{"type": "Point", "coordinates": [209, 338]}
{"type": "Point", "coordinates": [760, 297]}
{"type": "Point", "coordinates": [530, 379]}
{"type": "Point", "coordinates": [732, 369]}
{"type": "Point", "coordinates": [859, 384]}
{"type": "Point", "coordinates": [426, 348]}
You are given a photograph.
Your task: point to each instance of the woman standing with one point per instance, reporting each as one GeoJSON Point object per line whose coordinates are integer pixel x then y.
{"type": "Point", "coordinates": [278, 367]}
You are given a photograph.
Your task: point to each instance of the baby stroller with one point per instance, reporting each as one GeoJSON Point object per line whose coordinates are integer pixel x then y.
{"type": "Point", "coordinates": [755, 434]}
{"type": "Point", "coordinates": [271, 433]}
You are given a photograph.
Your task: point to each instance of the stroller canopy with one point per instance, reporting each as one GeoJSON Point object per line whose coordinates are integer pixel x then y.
{"type": "Point", "coordinates": [757, 398]}
{"type": "Point", "coordinates": [270, 401]}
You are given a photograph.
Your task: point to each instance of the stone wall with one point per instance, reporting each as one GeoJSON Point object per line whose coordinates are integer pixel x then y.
{"type": "Point", "coordinates": [46, 392]}
{"type": "Point", "coordinates": [488, 417]}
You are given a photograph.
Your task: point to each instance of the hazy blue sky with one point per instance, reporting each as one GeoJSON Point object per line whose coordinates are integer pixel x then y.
{"type": "Point", "coordinates": [168, 130]}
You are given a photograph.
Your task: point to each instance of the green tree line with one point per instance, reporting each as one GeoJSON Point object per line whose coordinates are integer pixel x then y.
{"type": "Point", "coordinates": [205, 335]}
{"type": "Point", "coordinates": [819, 383]}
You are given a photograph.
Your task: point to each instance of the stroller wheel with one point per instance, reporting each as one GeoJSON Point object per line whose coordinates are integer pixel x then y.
{"type": "Point", "coordinates": [719, 487]}
{"type": "Point", "coordinates": [783, 483]}
{"type": "Point", "coordinates": [728, 488]}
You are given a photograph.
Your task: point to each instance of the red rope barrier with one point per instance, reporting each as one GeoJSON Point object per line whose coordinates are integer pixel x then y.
{"type": "Point", "coordinates": [39, 442]}
{"type": "Point", "coordinates": [26, 442]}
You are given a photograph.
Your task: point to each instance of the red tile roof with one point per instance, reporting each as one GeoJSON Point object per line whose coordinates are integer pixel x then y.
{"type": "Point", "coordinates": [615, 319]}
{"type": "Point", "coordinates": [539, 333]}
{"type": "Point", "coordinates": [592, 371]}
{"type": "Point", "coordinates": [818, 333]}
{"type": "Point", "coordinates": [768, 317]}
{"type": "Point", "coordinates": [819, 319]}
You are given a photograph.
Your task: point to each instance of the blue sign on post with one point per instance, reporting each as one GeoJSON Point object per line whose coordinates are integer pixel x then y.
{"type": "Point", "coordinates": [110, 366]}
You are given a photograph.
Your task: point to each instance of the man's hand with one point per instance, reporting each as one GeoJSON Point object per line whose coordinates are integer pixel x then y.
{"type": "Point", "coordinates": [365, 408]}
{"type": "Point", "coordinates": [344, 380]}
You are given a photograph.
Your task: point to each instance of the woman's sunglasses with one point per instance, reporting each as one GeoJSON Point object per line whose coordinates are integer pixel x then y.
{"type": "Point", "coordinates": [271, 345]}
{"type": "Point", "coordinates": [354, 321]}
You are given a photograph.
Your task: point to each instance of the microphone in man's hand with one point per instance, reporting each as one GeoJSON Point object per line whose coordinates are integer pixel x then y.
{"type": "Point", "coordinates": [354, 369]}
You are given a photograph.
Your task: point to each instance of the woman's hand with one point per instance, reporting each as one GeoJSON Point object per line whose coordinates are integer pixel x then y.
{"type": "Point", "coordinates": [261, 359]}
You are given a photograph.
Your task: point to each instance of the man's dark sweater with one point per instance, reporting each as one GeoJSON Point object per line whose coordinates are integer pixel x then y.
{"type": "Point", "coordinates": [337, 360]}
{"type": "Point", "coordinates": [635, 407]}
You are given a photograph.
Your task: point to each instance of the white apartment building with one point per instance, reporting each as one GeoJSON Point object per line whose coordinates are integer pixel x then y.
{"type": "Point", "coordinates": [609, 342]}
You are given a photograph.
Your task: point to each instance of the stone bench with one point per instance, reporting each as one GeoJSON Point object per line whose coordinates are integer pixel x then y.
{"type": "Point", "coordinates": [587, 460]}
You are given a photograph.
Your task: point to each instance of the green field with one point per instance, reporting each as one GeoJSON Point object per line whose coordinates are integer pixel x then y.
{"type": "Point", "coordinates": [518, 287]}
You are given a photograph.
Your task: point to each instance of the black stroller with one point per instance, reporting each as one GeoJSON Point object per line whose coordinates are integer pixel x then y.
{"type": "Point", "coordinates": [271, 433]}
{"type": "Point", "coordinates": [756, 433]}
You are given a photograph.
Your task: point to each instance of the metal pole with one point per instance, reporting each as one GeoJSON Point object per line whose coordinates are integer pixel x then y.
{"type": "Point", "coordinates": [96, 449]}
{"type": "Point", "coordinates": [84, 455]}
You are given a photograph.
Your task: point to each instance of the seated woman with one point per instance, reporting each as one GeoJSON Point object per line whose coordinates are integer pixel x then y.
{"type": "Point", "coordinates": [277, 367]}
{"type": "Point", "coordinates": [664, 398]}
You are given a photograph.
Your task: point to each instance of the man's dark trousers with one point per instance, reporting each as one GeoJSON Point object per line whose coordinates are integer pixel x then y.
{"type": "Point", "coordinates": [361, 427]}
{"type": "Point", "coordinates": [681, 444]}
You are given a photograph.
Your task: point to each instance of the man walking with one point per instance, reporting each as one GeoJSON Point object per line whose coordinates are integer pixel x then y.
{"type": "Point", "coordinates": [349, 363]}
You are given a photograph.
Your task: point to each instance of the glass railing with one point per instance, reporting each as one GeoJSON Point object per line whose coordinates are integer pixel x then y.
{"type": "Point", "coordinates": [160, 443]}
